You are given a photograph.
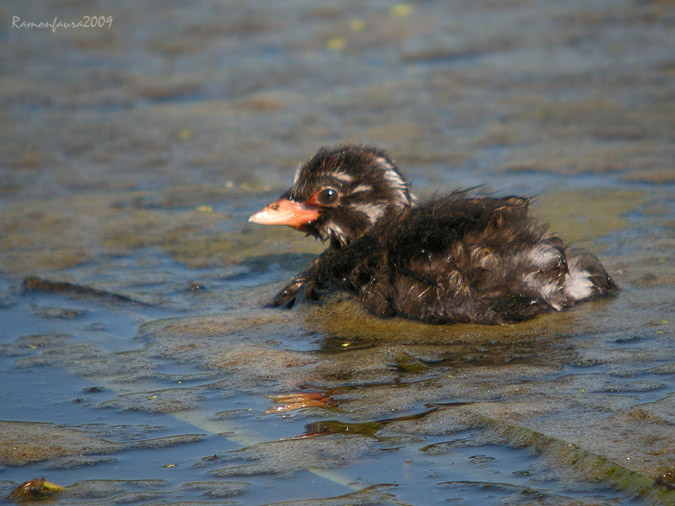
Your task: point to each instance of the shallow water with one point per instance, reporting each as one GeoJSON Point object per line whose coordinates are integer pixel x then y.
{"type": "Point", "coordinates": [132, 157]}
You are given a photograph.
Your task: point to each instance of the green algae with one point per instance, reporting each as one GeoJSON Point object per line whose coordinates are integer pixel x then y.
{"type": "Point", "coordinates": [124, 174]}
{"type": "Point", "coordinates": [35, 284]}
{"type": "Point", "coordinates": [289, 456]}
{"type": "Point", "coordinates": [28, 442]}
{"type": "Point", "coordinates": [373, 495]}
{"type": "Point", "coordinates": [344, 317]}
{"type": "Point", "coordinates": [368, 429]}
{"type": "Point", "coordinates": [171, 400]}
{"type": "Point", "coordinates": [409, 364]}
{"type": "Point", "coordinates": [588, 214]}
{"type": "Point", "coordinates": [32, 442]}
{"type": "Point", "coordinates": [200, 249]}
{"type": "Point", "coordinates": [218, 489]}
{"type": "Point", "coordinates": [337, 427]}
{"type": "Point", "coordinates": [585, 464]}
{"type": "Point", "coordinates": [518, 368]}
{"type": "Point", "coordinates": [65, 232]}
{"type": "Point", "coordinates": [518, 385]}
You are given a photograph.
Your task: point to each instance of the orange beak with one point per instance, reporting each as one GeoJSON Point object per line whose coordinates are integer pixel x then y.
{"type": "Point", "coordinates": [286, 212]}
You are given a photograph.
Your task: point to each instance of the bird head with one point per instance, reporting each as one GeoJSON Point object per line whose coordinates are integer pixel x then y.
{"type": "Point", "coordinates": [339, 194]}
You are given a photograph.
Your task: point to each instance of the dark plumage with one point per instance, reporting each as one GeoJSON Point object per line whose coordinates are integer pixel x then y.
{"type": "Point", "coordinates": [457, 258]}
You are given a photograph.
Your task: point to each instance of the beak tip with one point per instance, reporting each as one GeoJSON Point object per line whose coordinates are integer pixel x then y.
{"type": "Point", "coordinates": [284, 212]}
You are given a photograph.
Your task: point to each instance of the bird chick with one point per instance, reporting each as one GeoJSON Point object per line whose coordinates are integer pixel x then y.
{"type": "Point", "coordinates": [455, 258]}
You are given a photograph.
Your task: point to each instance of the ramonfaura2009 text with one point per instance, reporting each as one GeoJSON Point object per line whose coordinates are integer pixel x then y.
{"type": "Point", "coordinates": [85, 22]}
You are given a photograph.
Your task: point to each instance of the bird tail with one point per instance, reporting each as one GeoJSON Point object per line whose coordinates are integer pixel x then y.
{"type": "Point", "coordinates": [587, 279]}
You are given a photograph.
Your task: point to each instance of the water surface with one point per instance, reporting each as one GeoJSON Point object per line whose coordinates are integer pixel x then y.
{"type": "Point", "coordinates": [139, 365]}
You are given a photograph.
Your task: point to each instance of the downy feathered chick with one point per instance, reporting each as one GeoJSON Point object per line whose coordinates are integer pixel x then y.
{"type": "Point", "coordinates": [456, 258]}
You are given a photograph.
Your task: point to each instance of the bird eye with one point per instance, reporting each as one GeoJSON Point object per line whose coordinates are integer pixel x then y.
{"type": "Point", "coordinates": [327, 197]}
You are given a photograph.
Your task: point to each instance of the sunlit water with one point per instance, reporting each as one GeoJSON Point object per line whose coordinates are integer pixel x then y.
{"type": "Point", "coordinates": [132, 157]}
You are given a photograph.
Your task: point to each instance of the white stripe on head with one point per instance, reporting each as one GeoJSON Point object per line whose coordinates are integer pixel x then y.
{"type": "Point", "coordinates": [343, 177]}
{"type": "Point", "coordinates": [297, 174]}
{"type": "Point", "coordinates": [362, 188]}
{"type": "Point", "coordinates": [395, 180]}
{"type": "Point", "coordinates": [373, 211]}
